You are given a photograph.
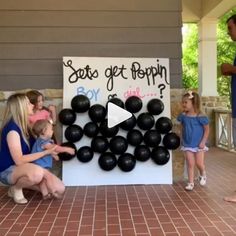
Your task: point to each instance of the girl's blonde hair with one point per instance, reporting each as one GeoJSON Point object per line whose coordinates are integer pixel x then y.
{"type": "Point", "coordinates": [17, 109]}
{"type": "Point", "coordinates": [195, 98]}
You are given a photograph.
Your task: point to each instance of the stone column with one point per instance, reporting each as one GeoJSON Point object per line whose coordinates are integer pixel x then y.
{"type": "Point", "coordinates": [207, 59]}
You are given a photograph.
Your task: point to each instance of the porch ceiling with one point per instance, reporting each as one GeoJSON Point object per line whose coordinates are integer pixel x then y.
{"type": "Point", "coordinates": [196, 10]}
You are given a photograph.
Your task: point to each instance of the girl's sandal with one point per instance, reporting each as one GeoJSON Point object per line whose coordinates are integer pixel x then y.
{"type": "Point", "coordinates": [189, 187]}
{"type": "Point", "coordinates": [17, 195]}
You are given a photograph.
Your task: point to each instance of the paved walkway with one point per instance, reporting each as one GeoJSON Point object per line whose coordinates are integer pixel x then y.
{"type": "Point", "coordinates": [131, 210]}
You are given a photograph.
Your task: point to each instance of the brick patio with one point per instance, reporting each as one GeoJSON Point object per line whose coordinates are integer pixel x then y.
{"type": "Point", "coordinates": [141, 210]}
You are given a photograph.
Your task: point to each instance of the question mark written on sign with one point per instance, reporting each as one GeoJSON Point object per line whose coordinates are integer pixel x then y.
{"type": "Point", "coordinates": [161, 87]}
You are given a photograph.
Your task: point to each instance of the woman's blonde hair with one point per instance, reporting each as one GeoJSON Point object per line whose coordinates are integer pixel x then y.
{"type": "Point", "coordinates": [194, 97]}
{"type": "Point", "coordinates": [17, 109]}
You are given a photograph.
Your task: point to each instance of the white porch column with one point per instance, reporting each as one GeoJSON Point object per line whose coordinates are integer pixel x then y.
{"type": "Point", "coordinates": [207, 60]}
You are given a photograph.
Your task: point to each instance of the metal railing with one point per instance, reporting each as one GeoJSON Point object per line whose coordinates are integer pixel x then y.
{"type": "Point", "coordinates": [223, 129]}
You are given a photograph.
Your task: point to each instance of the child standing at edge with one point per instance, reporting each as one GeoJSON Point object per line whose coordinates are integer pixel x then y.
{"type": "Point", "coordinates": [195, 131]}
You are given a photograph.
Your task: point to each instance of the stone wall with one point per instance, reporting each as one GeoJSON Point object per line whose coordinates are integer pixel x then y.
{"type": "Point", "coordinates": [54, 96]}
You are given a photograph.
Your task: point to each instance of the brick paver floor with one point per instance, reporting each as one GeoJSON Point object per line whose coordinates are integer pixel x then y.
{"type": "Point", "coordinates": [141, 210]}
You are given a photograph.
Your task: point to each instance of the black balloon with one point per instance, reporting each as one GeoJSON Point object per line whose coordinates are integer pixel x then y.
{"type": "Point", "coordinates": [164, 125]}
{"type": "Point", "coordinates": [80, 103]}
{"type": "Point", "coordinates": [97, 113]}
{"type": "Point", "coordinates": [108, 132]}
{"type": "Point", "coordinates": [145, 121]}
{"type": "Point", "coordinates": [134, 137]}
{"type": "Point", "coordinates": [117, 102]}
{"type": "Point", "coordinates": [171, 141]}
{"type": "Point", "coordinates": [67, 116]}
{"type": "Point", "coordinates": [73, 133]}
{"type": "Point", "coordinates": [142, 153]}
{"type": "Point", "coordinates": [126, 162]}
{"type": "Point", "coordinates": [107, 161]}
{"type": "Point", "coordinates": [133, 104]}
{"type": "Point", "coordinates": [152, 138]}
{"type": "Point", "coordinates": [118, 144]}
{"type": "Point", "coordinates": [85, 154]}
{"type": "Point", "coordinates": [155, 106]}
{"type": "Point", "coordinates": [91, 129]}
{"type": "Point", "coordinates": [64, 156]}
{"type": "Point", "coordinates": [99, 144]}
{"type": "Point", "coordinates": [160, 155]}
{"type": "Point", "coordinates": [128, 124]}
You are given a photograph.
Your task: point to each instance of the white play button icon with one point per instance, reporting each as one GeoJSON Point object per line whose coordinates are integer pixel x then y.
{"type": "Point", "coordinates": [116, 114]}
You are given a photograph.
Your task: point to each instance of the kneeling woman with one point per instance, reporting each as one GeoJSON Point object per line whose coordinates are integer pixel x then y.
{"type": "Point", "coordinates": [16, 169]}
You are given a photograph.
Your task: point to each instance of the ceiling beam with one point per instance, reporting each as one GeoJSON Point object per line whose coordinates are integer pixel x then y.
{"type": "Point", "coordinates": [194, 11]}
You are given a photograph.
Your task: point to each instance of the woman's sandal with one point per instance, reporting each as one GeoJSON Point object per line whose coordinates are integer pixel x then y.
{"type": "Point", "coordinates": [48, 196]}
{"type": "Point", "coordinates": [17, 195]}
{"type": "Point", "coordinates": [57, 195]}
